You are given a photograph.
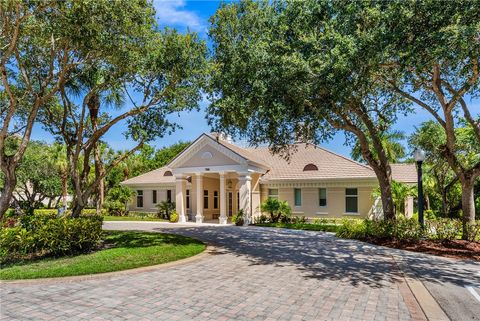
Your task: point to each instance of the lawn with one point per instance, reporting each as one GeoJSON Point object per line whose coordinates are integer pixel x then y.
{"type": "Point", "coordinates": [133, 218]}
{"type": "Point", "coordinates": [303, 226]}
{"type": "Point", "coordinates": [121, 251]}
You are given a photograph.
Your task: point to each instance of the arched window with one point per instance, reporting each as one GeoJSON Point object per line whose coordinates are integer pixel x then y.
{"type": "Point", "coordinates": [310, 167]}
{"type": "Point", "coordinates": [168, 173]}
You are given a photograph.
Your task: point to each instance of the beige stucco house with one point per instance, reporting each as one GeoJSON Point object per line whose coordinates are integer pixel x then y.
{"type": "Point", "coordinates": [213, 178]}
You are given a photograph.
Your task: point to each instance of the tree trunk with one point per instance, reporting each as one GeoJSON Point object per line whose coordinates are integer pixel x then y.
{"type": "Point", "coordinates": [10, 182]}
{"type": "Point", "coordinates": [468, 206]}
{"type": "Point", "coordinates": [386, 194]}
{"type": "Point", "coordinates": [64, 188]}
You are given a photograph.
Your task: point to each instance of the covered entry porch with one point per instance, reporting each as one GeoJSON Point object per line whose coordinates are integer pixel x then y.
{"type": "Point", "coordinates": [215, 196]}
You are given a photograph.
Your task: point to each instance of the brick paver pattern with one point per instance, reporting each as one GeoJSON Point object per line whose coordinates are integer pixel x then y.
{"type": "Point", "coordinates": [252, 274]}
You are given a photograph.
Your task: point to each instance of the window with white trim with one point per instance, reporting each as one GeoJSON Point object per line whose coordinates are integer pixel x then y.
{"type": "Point", "coordinates": [139, 198]}
{"type": "Point", "coordinates": [273, 193]}
{"type": "Point", "coordinates": [297, 192]}
{"type": "Point", "coordinates": [154, 197]}
{"type": "Point", "coordinates": [188, 198]}
{"type": "Point", "coordinates": [322, 197]}
{"type": "Point", "coordinates": [351, 200]}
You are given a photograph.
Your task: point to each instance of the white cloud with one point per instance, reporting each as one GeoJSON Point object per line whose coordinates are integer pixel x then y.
{"type": "Point", "coordinates": [171, 13]}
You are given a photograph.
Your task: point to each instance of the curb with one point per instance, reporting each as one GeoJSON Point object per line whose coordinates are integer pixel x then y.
{"type": "Point", "coordinates": [428, 304]}
{"type": "Point", "coordinates": [209, 250]}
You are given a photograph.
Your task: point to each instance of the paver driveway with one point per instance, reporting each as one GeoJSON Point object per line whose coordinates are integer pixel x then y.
{"type": "Point", "coordinates": [253, 274]}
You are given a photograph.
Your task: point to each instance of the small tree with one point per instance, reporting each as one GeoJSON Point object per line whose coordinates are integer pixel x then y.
{"type": "Point", "coordinates": [165, 209]}
{"type": "Point", "coordinates": [276, 209]}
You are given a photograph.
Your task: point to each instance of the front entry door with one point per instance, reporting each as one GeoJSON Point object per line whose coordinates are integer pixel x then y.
{"type": "Point", "coordinates": [230, 203]}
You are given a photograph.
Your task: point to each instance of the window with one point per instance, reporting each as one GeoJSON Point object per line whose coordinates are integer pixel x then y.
{"type": "Point", "coordinates": [139, 198]}
{"type": "Point", "coordinates": [298, 196]}
{"type": "Point", "coordinates": [215, 199]}
{"type": "Point", "coordinates": [238, 201]}
{"type": "Point", "coordinates": [169, 195]}
{"type": "Point", "coordinates": [310, 167]}
{"type": "Point", "coordinates": [273, 193]}
{"type": "Point", "coordinates": [205, 199]}
{"type": "Point", "coordinates": [322, 197]}
{"type": "Point", "coordinates": [351, 200]}
{"type": "Point", "coordinates": [154, 197]}
{"type": "Point", "coordinates": [188, 198]}
{"type": "Point", "coordinates": [167, 173]}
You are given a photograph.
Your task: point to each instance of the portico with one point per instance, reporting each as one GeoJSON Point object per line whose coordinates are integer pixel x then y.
{"type": "Point", "coordinates": [214, 182]}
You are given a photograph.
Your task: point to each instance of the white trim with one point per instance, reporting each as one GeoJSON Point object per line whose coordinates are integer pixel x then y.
{"type": "Point", "coordinates": [321, 213]}
{"type": "Point", "coordinates": [318, 184]}
{"type": "Point", "coordinates": [197, 145]}
{"type": "Point", "coordinates": [210, 169]}
{"type": "Point", "coordinates": [298, 212]}
{"type": "Point", "coordinates": [351, 213]}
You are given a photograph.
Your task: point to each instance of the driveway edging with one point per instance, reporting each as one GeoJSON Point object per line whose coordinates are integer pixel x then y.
{"type": "Point", "coordinates": [105, 275]}
{"type": "Point", "coordinates": [425, 300]}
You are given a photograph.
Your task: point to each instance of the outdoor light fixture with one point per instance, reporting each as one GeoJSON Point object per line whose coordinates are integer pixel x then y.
{"type": "Point", "coordinates": [419, 156]}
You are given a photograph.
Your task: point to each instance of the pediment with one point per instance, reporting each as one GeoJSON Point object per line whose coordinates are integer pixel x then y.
{"type": "Point", "coordinates": [204, 152]}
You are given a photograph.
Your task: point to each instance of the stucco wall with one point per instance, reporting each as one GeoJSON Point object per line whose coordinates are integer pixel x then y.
{"type": "Point", "coordinates": [335, 201]}
{"type": "Point", "coordinates": [148, 205]}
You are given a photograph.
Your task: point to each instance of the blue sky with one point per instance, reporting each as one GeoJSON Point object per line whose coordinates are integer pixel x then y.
{"type": "Point", "coordinates": [194, 15]}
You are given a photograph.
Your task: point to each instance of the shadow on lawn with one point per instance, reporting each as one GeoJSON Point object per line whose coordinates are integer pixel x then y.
{"type": "Point", "coordinates": [323, 256]}
{"type": "Point", "coordinates": [132, 239]}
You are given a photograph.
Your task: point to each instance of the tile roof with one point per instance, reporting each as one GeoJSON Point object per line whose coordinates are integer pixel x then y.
{"type": "Point", "coordinates": [404, 173]}
{"type": "Point", "coordinates": [330, 165]}
{"type": "Point", "coordinates": [153, 177]}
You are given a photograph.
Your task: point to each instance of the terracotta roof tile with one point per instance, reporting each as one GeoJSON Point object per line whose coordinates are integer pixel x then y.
{"type": "Point", "coordinates": [404, 173]}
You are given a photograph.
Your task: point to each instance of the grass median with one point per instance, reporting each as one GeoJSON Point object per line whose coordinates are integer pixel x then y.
{"type": "Point", "coordinates": [120, 251]}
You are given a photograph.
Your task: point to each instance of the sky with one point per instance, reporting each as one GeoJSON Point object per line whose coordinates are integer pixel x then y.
{"type": "Point", "coordinates": [194, 15]}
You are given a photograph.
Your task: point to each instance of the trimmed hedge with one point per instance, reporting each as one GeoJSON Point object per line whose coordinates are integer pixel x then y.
{"type": "Point", "coordinates": [41, 235]}
{"type": "Point", "coordinates": [53, 211]}
{"type": "Point", "coordinates": [406, 229]}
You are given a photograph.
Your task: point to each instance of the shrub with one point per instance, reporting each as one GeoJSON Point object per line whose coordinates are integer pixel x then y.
{"type": "Point", "coordinates": [174, 217]}
{"type": "Point", "coordinates": [165, 208]}
{"type": "Point", "coordinates": [351, 229]}
{"type": "Point", "coordinates": [299, 220]}
{"type": "Point", "coordinates": [115, 208]}
{"type": "Point", "coordinates": [40, 235]}
{"type": "Point", "coordinates": [238, 218]}
{"type": "Point", "coordinates": [443, 229]}
{"type": "Point", "coordinates": [262, 219]}
{"type": "Point", "coordinates": [278, 210]}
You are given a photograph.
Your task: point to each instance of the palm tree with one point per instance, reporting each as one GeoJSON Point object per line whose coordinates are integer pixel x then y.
{"type": "Point", "coordinates": [392, 143]}
{"type": "Point", "coordinates": [91, 82]}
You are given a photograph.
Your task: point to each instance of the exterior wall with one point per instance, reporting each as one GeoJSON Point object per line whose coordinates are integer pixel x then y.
{"type": "Point", "coordinates": [335, 201]}
{"type": "Point", "coordinates": [148, 205]}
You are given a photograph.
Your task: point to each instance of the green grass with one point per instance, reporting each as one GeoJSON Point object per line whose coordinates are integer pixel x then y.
{"type": "Point", "coordinates": [124, 250]}
{"type": "Point", "coordinates": [303, 226]}
{"type": "Point", "coordinates": [132, 218]}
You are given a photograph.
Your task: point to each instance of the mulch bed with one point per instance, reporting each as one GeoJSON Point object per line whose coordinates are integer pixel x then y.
{"type": "Point", "coordinates": [458, 249]}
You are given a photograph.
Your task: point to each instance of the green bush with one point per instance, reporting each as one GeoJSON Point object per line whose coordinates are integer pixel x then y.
{"type": "Point", "coordinates": [173, 217]}
{"type": "Point", "coordinates": [262, 219]}
{"type": "Point", "coordinates": [54, 211]}
{"type": "Point", "coordinates": [238, 219]}
{"type": "Point", "coordinates": [351, 229]}
{"type": "Point", "coordinates": [115, 208]}
{"type": "Point", "coordinates": [443, 229]}
{"type": "Point", "coordinates": [298, 220]}
{"type": "Point", "coordinates": [40, 235]}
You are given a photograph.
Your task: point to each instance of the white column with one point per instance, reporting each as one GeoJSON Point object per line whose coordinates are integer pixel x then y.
{"type": "Point", "coordinates": [409, 206]}
{"type": "Point", "coordinates": [199, 187]}
{"type": "Point", "coordinates": [180, 189]}
{"type": "Point", "coordinates": [223, 201]}
{"type": "Point", "coordinates": [245, 196]}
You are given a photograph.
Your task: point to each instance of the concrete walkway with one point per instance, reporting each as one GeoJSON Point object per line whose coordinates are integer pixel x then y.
{"type": "Point", "coordinates": [253, 274]}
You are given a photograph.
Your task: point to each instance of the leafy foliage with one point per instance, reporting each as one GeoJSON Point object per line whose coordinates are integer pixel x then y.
{"type": "Point", "coordinates": [40, 235]}
{"type": "Point", "coordinates": [278, 210]}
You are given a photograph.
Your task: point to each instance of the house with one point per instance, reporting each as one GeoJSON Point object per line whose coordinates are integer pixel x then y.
{"type": "Point", "coordinates": [214, 178]}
